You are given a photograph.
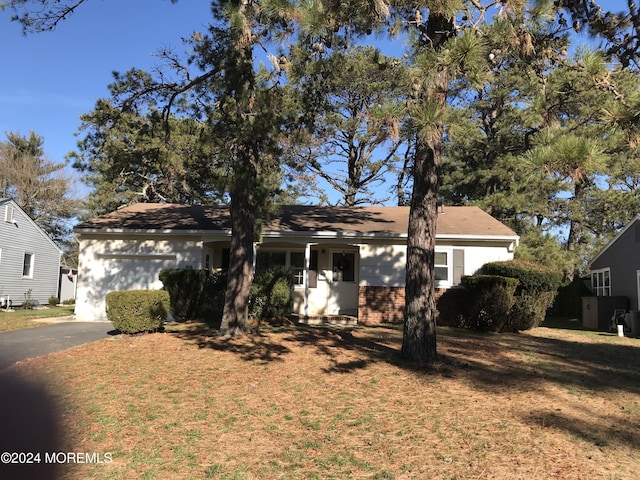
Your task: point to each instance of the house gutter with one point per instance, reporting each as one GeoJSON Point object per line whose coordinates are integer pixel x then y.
{"type": "Point", "coordinates": [316, 235]}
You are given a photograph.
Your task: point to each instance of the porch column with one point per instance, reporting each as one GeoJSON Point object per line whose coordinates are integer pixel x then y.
{"type": "Point", "coordinates": [255, 251]}
{"type": "Point", "coordinates": [305, 277]}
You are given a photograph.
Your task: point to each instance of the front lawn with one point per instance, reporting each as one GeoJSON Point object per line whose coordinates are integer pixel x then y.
{"type": "Point", "coordinates": [19, 318]}
{"type": "Point", "coordinates": [300, 403]}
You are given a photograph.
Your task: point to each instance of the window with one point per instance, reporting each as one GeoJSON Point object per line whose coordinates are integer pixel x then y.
{"type": "Point", "coordinates": [441, 266]}
{"type": "Point", "coordinates": [344, 267]}
{"type": "Point", "coordinates": [8, 214]}
{"type": "Point", "coordinates": [27, 265]}
{"type": "Point", "coordinates": [268, 260]}
{"type": "Point", "coordinates": [601, 282]}
{"type": "Point", "coordinates": [297, 265]}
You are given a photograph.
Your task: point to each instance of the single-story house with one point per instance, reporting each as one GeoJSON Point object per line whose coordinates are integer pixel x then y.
{"type": "Point", "coordinates": [615, 270]}
{"type": "Point", "coordinates": [29, 259]}
{"type": "Point", "coordinates": [347, 261]}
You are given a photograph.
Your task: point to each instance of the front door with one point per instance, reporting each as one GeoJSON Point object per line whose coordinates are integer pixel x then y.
{"type": "Point", "coordinates": [343, 292]}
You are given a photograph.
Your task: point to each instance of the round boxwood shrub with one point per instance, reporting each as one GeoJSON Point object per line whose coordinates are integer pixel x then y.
{"type": "Point", "coordinates": [489, 300]}
{"type": "Point", "coordinates": [133, 311]}
{"type": "Point", "coordinates": [537, 288]}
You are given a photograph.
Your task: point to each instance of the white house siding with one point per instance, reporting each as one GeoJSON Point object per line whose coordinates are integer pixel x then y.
{"type": "Point", "coordinates": [476, 255]}
{"type": "Point", "coordinates": [129, 263]}
{"type": "Point", "coordinates": [16, 239]}
{"type": "Point", "coordinates": [383, 264]}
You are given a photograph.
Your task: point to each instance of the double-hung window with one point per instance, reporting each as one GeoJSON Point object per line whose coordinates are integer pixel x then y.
{"type": "Point", "coordinates": [27, 265]}
{"type": "Point", "coordinates": [601, 282]}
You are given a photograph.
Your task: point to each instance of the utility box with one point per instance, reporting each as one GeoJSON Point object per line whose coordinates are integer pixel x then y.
{"type": "Point", "coordinates": [597, 311]}
{"type": "Point", "coordinates": [633, 322]}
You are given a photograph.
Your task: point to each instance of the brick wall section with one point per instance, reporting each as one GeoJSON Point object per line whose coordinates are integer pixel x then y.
{"type": "Point", "coordinates": [383, 304]}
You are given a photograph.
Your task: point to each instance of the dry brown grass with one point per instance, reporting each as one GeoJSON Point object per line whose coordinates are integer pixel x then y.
{"type": "Point", "coordinates": [315, 403]}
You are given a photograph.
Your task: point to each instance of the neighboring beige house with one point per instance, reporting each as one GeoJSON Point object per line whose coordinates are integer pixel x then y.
{"type": "Point", "coordinates": [347, 261]}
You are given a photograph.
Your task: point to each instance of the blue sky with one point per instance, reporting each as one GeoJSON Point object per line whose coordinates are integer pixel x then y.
{"type": "Point", "coordinates": [49, 79]}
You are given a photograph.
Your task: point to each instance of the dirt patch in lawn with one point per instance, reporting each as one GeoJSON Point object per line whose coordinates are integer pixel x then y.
{"type": "Point", "coordinates": [300, 403]}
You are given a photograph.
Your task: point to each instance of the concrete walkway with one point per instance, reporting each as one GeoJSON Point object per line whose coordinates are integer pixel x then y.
{"type": "Point", "coordinates": [58, 335]}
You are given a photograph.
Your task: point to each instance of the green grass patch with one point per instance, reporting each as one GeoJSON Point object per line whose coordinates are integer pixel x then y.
{"type": "Point", "coordinates": [19, 319]}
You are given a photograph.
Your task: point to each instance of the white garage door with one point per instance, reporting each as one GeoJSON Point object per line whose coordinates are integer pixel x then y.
{"type": "Point", "coordinates": [135, 273]}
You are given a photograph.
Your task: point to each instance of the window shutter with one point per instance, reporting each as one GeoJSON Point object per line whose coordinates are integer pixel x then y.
{"type": "Point", "coordinates": [458, 265]}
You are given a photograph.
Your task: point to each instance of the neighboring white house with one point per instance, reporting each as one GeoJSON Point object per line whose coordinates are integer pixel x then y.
{"type": "Point", "coordinates": [29, 259]}
{"type": "Point", "coordinates": [347, 261]}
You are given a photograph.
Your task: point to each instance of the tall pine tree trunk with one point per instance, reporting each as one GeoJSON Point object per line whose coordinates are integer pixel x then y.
{"type": "Point", "coordinates": [419, 335]}
{"type": "Point", "coordinates": [240, 275]}
{"type": "Point", "coordinates": [243, 208]}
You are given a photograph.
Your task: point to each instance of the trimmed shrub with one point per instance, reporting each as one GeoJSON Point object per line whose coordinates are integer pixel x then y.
{"type": "Point", "coordinates": [489, 299]}
{"type": "Point", "coordinates": [537, 288]}
{"type": "Point", "coordinates": [531, 275]}
{"type": "Point", "coordinates": [450, 306]}
{"type": "Point", "coordinates": [271, 293]}
{"type": "Point", "coordinates": [133, 311]}
{"type": "Point", "coordinates": [211, 303]}
{"type": "Point", "coordinates": [185, 290]}
{"type": "Point", "coordinates": [53, 301]}
{"type": "Point", "coordinates": [195, 294]}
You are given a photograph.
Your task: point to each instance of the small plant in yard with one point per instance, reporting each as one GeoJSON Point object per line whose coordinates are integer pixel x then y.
{"type": "Point", "coordinates": [28, 303]}
{"type": "Point", "coordinates": [53, 301]}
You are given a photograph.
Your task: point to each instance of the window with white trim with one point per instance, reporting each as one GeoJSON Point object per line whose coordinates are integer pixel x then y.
{"type": "Point", "coordinates": [293, 259]}
{"type": "Point", "coordinates": [441, 266]}
{"type": "Point", "coordinates": [601, 282]}
{"type": "Point", "coordinates": [27, 265]}
{"type": "Point", "coordinates": [8, 214]}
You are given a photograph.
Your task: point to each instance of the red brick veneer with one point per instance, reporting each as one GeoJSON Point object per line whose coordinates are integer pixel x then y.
{"type": "Point", "coordinates": [383, 304]}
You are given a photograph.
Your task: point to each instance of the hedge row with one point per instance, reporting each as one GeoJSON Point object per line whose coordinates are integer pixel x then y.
{"type": "Point", "coordinates": [199, 295]}
{"type": "Point", "coordinates": [503, 297]}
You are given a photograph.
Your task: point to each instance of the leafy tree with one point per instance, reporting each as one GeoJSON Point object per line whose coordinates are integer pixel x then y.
{"type": "Point", "coordinates": [39, 186]}
{"type": "Point", "coordinates": [129, 155]}
{"type": "Point", "coordinates": [217, 85]}
{"type": "Point", "coordinates": [353, 104]}
{"type": "Point", "coordinates": [446, 45]}
{"type": "Point", "coordinates": [536, 148]}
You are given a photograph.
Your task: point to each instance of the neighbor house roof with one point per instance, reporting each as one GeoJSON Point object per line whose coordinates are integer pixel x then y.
{"type": "Point", "coordinates": [379, 220]}
{"type": "Point", "coordinates": [615, 239]}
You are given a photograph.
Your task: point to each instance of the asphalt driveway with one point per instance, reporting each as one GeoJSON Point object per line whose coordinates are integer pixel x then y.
{"type": "Point", "coordinates": [18, 345]}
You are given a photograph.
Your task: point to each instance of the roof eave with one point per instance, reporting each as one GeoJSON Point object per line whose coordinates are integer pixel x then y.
{"type": "Point", "coordinates": [314, 235]}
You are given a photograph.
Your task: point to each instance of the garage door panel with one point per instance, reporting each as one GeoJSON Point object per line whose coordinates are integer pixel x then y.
{"type": "Point", "coordinates": [135, 274]}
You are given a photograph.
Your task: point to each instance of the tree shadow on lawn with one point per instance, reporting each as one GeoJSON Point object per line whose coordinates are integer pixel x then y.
{"type": "Point", "coordinates": [599, 428]}
{"type": "Point", "coordinates": [271, 344]}
{"type": "Point", "coordinates": [499, 362]}
{"type": "Point", "coordinates": [495, 364]}
{"type": "Point", "coordinates": [489, 361]}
